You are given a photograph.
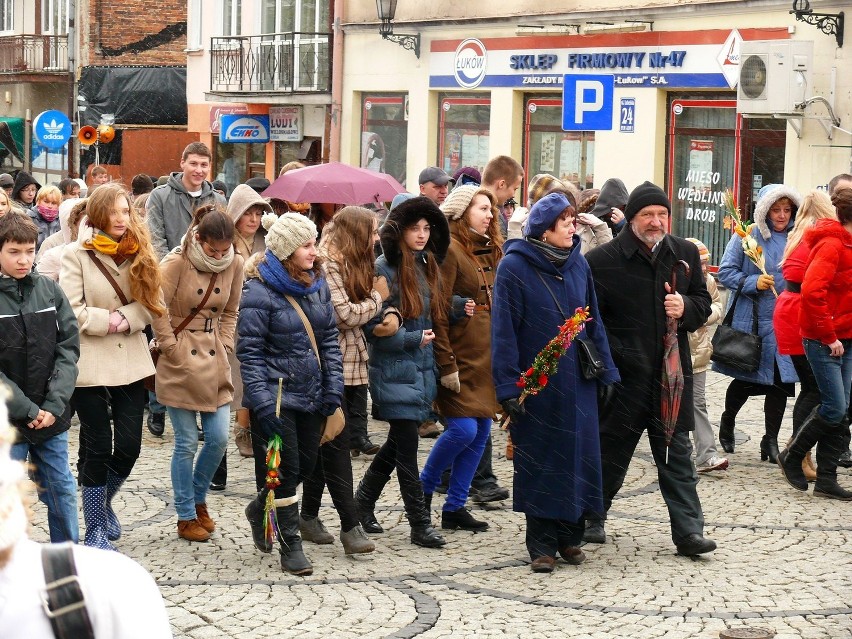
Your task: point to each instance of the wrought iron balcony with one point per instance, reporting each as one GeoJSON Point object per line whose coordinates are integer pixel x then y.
{"type": "Point", "coordinates": [34, 54]}
{"type": "Point", "coordinates": [275, 62]}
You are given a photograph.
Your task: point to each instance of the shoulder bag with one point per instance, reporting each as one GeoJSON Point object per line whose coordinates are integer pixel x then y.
{"type": "Point", "coordinates": [735, 348]}
{"type": "Point", "coordinates": [335, 422]}
{"type": "Point", "coordinates": [62, 597]}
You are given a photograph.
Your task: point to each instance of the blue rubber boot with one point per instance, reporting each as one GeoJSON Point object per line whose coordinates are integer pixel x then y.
{"type": "Point", "coordinates": [94, 513]}
{"type": "Point", "coordinates": [113, 526]}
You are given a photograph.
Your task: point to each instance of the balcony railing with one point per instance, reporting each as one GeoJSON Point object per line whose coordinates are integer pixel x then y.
{"type": "Point", "coordinates": [275, 62]}
{"type": "Point", "coordinates": [34, 54]}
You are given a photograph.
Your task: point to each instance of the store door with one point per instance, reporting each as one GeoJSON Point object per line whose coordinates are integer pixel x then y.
{"type": "Point", "coordinates": [763, 142]}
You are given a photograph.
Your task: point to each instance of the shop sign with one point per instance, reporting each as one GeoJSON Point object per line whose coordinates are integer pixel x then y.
{"type": "Point", "coordinates": [627, 115]}
{"type": "Point", "coordinates": [244, 129]}
{"type": "Point", "coordinates": [52, 129]}
{"type": "Point", "coordinates": [285, 123]}
{"type": "Point", "coordinates": [703, 195]}
{"type": "Point", "coordinates": [587, 103]}
{"type": "Point", "coordinates": [689, 59]}
{"type": "Point", "coordinates": [216, 111]}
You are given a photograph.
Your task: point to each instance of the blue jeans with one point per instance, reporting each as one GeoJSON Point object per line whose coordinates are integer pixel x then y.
{"type": "Point", "coordinates": [833, 376]}
{"type": "Point", "coordinates": [190, 485]}
{"type": "Point", "coordinates": [57, 488]}
{"type": "Point", "coordinates": [153, 405]}
{"type": "Point", "coordinates": [460, 446]}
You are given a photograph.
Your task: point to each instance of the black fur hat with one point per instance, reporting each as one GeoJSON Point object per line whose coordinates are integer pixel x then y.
{"type": "Point", "coordinates": [407, 214]}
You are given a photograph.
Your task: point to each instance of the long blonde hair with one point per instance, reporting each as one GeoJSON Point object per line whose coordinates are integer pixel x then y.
{"type": "Point", "coordinates": [816, 205]}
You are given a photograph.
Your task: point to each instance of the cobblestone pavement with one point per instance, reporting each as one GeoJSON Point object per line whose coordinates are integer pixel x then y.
{"type": "Point", "coordinates": [784, 562]}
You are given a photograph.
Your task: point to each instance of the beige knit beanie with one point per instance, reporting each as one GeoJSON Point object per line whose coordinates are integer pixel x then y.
{"type": "Point", "coordinates": [458, 200]}
{"type": "Point", "coordinates": [287, 233]}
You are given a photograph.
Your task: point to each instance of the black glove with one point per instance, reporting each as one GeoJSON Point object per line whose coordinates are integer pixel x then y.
{"type": "Point", "coordinates": [606, 393]}
{"type": "Point", "coordinates": [269, 425]}
{"type": "Point", "coordinates": [514, 409]}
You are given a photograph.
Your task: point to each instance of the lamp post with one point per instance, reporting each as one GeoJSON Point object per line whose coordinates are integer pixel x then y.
{"type": "Point", "coordinates": [386, 10]}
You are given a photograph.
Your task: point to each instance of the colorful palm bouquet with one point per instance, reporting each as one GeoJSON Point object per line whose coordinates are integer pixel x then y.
{"type": "Point", "coordinates": [545, 364]}
{"type": "Point", "coordinates": [734, 222]}
{"type": "Point", "coordinates": [273, 460]}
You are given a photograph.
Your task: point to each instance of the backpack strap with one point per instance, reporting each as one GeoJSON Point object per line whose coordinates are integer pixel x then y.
{"type": "Point", "coordinates": [62, 597]}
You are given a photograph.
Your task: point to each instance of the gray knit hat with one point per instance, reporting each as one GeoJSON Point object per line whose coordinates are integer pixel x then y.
{"type": "Point", "coordinates": [287, 233]}
{"type": "Point", "coordinates": [458, 200]}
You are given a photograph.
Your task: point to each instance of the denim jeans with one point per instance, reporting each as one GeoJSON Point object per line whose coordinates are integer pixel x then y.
{"type": "Point", "coordinates": [190, 485]}
{"type": "Point", "coordinates": [57, 488]}
{"type": "Point", "coordinates": [153, 405]}
{"type": "Point", "coordinates": [833, 376]}
{"type": "Point", "coordinates": [459, 446]}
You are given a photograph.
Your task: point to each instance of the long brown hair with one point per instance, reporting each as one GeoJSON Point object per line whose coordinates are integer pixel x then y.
{"type": "Point", "coordinates": [145, 269]}
{"type": "Point", "coordinates": [462, 228]}
{"type": "Point", "coordinates": [346, 240]}
{"type": "Point", "coordinates": [410, 294]}
{"type": "Point", "coordinates": [306, 278]}
{"type": "Point", "coordinates": [211, 223]}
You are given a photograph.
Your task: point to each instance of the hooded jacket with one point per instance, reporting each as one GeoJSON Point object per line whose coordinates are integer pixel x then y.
{"type": "Point", "coordinates": [169, 211]}
{"type": "Point", "coordinates": [826, 308]}
{"type": "Point", "coordinates": [23, 180]}
{"type": "Point", "coordinates": [242, 199]}
{"type": "Point", "coordinates": [613, 194]}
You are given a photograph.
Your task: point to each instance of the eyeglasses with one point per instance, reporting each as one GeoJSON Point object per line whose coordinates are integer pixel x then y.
{"type": "Point", "coordinates": [216, 252]}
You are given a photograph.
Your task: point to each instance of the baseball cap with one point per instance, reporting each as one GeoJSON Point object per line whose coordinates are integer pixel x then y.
{"type": "Point", "coordinates": [435, 175]}
{"type": "Point", "coordinates": [6, 181]}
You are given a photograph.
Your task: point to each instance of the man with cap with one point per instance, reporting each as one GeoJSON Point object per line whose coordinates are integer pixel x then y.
{"type": "Point", "coordinates": [7, 183]}
{"type": "Point", "coordinates": [434, 184]}
{"type": "Point", "coordinates": [632, 276]}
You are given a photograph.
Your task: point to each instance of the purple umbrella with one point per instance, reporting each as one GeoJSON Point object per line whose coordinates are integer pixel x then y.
{"type": "Point", "coordinates": [672, 377]}
{"type": "Point", "coordinates": [334, 183]}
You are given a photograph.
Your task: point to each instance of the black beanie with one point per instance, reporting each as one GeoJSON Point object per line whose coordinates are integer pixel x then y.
{"type": "Point", "coordinates": [646, 194]}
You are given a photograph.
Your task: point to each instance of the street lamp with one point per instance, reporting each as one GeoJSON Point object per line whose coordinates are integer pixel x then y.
{"type": "Point", "coordinates": [828, 23]}
{"type": "Point", "coordinates": [387, 10]}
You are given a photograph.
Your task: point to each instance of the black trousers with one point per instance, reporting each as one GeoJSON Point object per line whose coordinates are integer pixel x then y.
{"type": "Point", "coordinates": [774, 404]}
{"type": "Point", "coordinates": [333, 469]}
{"type": "Point", "coordinates": [809, 397]}
{"type": "Point", "coordinates": [677, 478]}
{"type": "Point", "coordinates": [399, 452]}
{"type": "Point", "coordinates": [109, 446]}
{"type": "Point", "coordinates": [355, 409]}
{"type": "Point", "coordinates": [300, 436]}
{"type": "Point", "coordinates": [546, 536]}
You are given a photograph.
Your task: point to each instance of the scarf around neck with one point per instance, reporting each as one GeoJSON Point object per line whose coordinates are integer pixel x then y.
{"type": "Point", "coordinates": [278, 279]}
{"type": "Point", "coordinates": [103, 243]}
{"type": "Point", "coordinates": [48, 215]}
{"type": "Point", "coordinates": [554, 255]}
{"type": "Point", "coordinates": [203, 262]}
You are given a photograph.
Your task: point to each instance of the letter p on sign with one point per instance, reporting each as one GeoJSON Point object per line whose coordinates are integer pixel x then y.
{"type": "Point", "coordinates": [587, 102]}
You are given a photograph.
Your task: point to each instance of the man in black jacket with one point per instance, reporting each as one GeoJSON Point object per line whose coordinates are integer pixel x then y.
{"type": "Point", "coordinates": [632, 277]}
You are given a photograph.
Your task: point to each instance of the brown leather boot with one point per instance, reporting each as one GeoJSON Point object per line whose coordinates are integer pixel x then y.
{"type": "Point", "coordinates": [204, 518]}
{"type": "Point", "coordinates": [242, 434]}
{"type": "Point", "coordinates": [191, 530]}
{"type": "Point", "coordinates": [808, 468]}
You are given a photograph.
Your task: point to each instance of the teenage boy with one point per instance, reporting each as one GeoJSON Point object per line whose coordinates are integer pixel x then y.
{"type": "Point", "coordinates": [39, 349]}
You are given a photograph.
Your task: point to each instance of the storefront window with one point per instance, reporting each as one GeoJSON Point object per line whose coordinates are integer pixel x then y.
{"type": "Point", "coordinates": [235, 163]}
{"type": "Point", "coordinates": [463, 135]}
{"type": "Point", "coordinates": [384, 133]}
{"type": "Point", "coordinates": [569, 155]}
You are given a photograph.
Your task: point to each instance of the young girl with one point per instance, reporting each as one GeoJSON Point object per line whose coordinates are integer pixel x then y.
{"type": "Point", "coordinates": [289, 387]}
{"type": "Point", "coordinates": [45, 213]}
{"type": "Point", "coordinates": [463, 351]}
{"type": "Point", "coordinates": [347, 252]}
{"type": "Point", "coordinates": [414, 241]}
{"type": "Point", "coordinates": [202, 281]}
{"type": "Point", "coordinates": [112, 280]}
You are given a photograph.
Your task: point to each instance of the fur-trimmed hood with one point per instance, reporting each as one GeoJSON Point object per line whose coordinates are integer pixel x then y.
{"type": "Point", "coordinates": [408, 213]}
{"type": "Point", "coordinates": [251, 265]}
{"type": "Point", "coordinates": [827, 228]}
{"type": "Point", "coordinates": [768, 196]}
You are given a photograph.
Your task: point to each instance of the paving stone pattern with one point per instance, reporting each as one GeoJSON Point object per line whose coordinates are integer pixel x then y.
{"type": "Point", "coordinates": [784, 561]}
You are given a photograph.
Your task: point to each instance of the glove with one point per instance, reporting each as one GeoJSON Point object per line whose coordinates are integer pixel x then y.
{"type": "Point", "coordinates": [269, 425]}
{"type": "Point", "coordinates": [380, 284]}
{"type": "Point", "coordinates": [606, 393]}
{"type": "Point", "coordinates": [514, 409]}
{"type": "Point", "coordinates": [390, 324]}
{"type": "Point", "coordinates": [451, 382]}
{"type": "Point", "coordinates": [765, 282]}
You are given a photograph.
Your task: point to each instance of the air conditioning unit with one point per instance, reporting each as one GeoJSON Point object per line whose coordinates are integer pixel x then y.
{"type": "Point", "coordinates": [775, 75]}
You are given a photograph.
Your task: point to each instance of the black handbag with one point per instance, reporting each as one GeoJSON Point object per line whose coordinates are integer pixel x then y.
{"type": "Point", "coordinates": [735, 348]}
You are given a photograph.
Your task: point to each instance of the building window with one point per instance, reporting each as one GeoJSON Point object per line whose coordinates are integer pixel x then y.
{"type": "Point", "coordinates": [232, 13]}
{"type": "Point", "coordinates": [7, 15]}
{"type": "Point", "coordinates": [568, 155]}
{"type": "Point", "coordinates": [194, 23]}
{"type": "Point", "coordinates": [296, 31]}
{"type": "Point", "coordinates": [384, 133]}
{"type": "Point", "coordinates": [463, 132]}
{"type": "Point", "coordinates": [236, 163]}
{"type": "Point", "coordinates": [54, 17]}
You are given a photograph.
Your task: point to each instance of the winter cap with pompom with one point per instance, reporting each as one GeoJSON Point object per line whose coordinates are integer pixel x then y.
{"type": "Point", "coordinates": [287, 233]}
{"type": "Point", "coordinates": [458, 200]}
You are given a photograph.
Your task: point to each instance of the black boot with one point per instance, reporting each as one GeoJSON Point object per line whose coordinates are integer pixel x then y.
{"type": "Point", "coordinates": [422, 532]}
{"type": "Point", "coordinates": [461, 519]}
{"type": "Point", "coordinates": [845, 459]}
{"type": "Point", "coordinates": [829, 448]}
{"type": "Point", "coordinates": [790, 459]}
{"type": "Point", "coordinates": [726, 433]}
{"type": "Point", "coordinates": [293, 560]}
{"type": "Point", "coordinates": [769, 449]}
{"type": "Point", "coordinates": [254, 514]}
{"type": "Point", "coordinates": [366, 496]}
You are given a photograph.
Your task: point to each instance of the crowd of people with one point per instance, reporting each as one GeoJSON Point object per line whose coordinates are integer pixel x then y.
{"type": "Point", "coordinates": [276, 316]}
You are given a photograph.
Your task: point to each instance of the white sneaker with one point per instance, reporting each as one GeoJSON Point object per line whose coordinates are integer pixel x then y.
{"type": "Point", "coordinates": [714, 463]}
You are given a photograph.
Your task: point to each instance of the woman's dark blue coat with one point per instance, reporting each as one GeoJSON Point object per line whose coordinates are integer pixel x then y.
{"type": "Point", "coordinates": [557, 446]}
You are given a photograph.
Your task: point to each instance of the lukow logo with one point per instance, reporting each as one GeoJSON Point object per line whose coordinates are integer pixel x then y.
{"type": "Point", "coordinates": [244, 128]}
{"type": "Point", "coordinates": [470, 62]}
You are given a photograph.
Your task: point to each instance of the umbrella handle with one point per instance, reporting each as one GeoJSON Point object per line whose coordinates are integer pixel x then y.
{"type": "Point", "coordinates": [686, 271]}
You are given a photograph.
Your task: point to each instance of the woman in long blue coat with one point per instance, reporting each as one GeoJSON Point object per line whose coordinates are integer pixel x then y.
{"type": "Point", "coordinates": [541, 281]}
{"type": "Point", "coordinates": [775, 378]}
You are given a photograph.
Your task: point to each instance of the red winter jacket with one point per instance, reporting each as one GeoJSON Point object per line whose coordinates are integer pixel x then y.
{"type": "Point", "coordinates": [785, 319]}
{"type": "Point", "coordinates": [826, 312]}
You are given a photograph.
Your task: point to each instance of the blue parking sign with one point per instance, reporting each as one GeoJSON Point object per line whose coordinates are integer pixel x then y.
{"type": "Point", "coordinates": [587, 102]}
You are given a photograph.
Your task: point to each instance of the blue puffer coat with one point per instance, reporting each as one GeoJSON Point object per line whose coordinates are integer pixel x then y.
{"type": "Point", "coordinates": [273, 345]}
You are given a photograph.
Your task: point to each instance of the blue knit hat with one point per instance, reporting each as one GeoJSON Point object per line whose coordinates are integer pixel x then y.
{"type": "Point", "coordinates": [544, 213]}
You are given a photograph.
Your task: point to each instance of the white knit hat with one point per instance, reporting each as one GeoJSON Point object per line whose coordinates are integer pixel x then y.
{"type": "Point", "coordinates": [287, 233]}
{"type": "Point", "coordinates": [13, 517]}
{"type": "Point", "coordinates": [458, 200]}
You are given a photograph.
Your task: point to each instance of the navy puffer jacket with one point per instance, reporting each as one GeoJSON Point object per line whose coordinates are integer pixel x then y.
{"type": "Point", "coordinates": [273, 345]}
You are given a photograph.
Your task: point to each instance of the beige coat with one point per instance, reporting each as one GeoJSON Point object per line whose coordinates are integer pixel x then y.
{"type": "Point", "coordinates": [193, 371]}
{"type": "Point", "coordinates": [106, 359]}
{"type": "Point", "coordinates": [699, 341]}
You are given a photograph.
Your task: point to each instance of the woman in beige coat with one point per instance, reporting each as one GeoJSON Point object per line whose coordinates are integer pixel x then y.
{"type": "Point", "coordinates": [202, 283]}
{"type": "Point", "coordinates": [111, 278]}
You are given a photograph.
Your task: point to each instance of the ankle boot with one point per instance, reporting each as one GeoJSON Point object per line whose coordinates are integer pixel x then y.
{"type": "Point", "coordinates": [254, 514]}
{"type": "Point", "coordinates": [726, 433]}
{"type": "Point", "coordinates": [94, 514]}
{"type": "Point", "coordinates": [368, 492]}
{"type": "Point", "coordinates": [790, 459]}
{"type": "Point", "coordinates": [808, 468]}
{"type": "Point", "coordinates": [769, 449]}
{"type": "Point", "coordinates": [314, 530]}
{"type": "Point", "coordinates": [461, 519]}
{"type": "Point", "coordinates": [293, 559]}
{"type": "Point", "coordinates": [422, 532]}
{"type": "Point", "coordinates": [113, 526]}
{"type": "Point", "coordinates": [356, 542]}
{"type": "Point", "coordinates": [242, 432]}
{"type": "Point", "coordinates": [828, 450]}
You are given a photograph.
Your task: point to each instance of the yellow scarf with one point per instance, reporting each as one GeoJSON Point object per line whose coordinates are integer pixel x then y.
{"type": "Point", "coordinates": [103, 243]}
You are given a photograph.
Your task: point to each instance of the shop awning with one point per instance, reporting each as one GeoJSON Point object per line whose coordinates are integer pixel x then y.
{"type": "Point", "coordinates": [12, 136]}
